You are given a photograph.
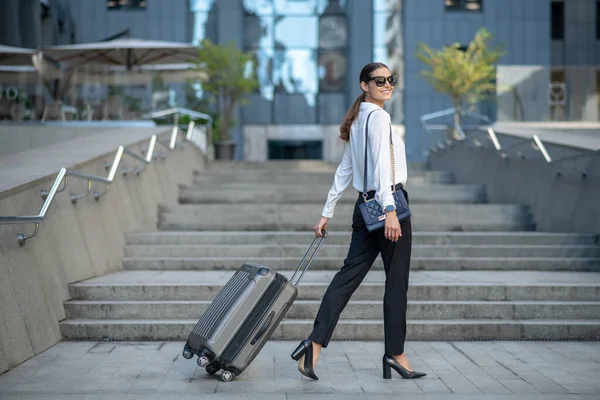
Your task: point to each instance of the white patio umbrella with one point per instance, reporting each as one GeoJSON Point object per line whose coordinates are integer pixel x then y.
{"type": "Point", "coordinates": [169, 73]}
{"type": "Point", "coordinates": [10, 55]}
{"type": "Point", "coordinates": [125, 52]}
{"type": "Point", "coordinates": [172, 73]}
{"type": "Point", "coordinates": [132, 55]}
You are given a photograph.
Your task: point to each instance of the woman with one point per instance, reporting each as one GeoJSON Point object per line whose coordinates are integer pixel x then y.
{"type": "Point", "coordinates": [393, 241]}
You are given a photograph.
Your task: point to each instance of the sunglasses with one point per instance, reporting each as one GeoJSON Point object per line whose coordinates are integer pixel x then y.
{"type": "Point", "coordinates": [380, 80]}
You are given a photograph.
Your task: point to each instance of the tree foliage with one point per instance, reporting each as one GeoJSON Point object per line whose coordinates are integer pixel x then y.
{"type": "Point", "coordinates": [231, 76]}
{"type": "Point", "coordinates": [465, 75]}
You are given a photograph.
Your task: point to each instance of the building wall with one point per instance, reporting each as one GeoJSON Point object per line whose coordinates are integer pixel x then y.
{"type": "Point", "coordinates": [577, 57]}
{"type": "Point", "coordinates": [523, 25]}
{"type": "Point", "coordinates": [161, 20]}
{"type": "Point", "coordinates": [26, 23]}
{"type": "Point", "coordinates": [580, 46]}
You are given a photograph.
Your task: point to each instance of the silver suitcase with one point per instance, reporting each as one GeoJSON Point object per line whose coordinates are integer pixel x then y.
{"type": "Point", "coordinates": [243, 315]}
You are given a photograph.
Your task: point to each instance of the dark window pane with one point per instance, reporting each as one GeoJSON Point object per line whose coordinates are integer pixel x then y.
{"type": "Point", "coordinates": [258, 31]}
{"type": "Point", "coordinates": [473, 5]}
{"type": "Point", "coordinates": [557, 75]}
{"type": "Point", "coordinates": [464, 5]}
{"type": "Point", "coordinates": [598, 20]}
{"type": "Point", "coordinates": [452, 5]}
{"type": "Point", "coordinates": [295, 150]}
{"type": "Point", "coordinates": [557, 16]}
{"type": "Point", "coordinates": [332, 71]}
{"type": "Point", "coordinates": [295, 32]}
{"type": "Point", "coordinates": [126, 4]}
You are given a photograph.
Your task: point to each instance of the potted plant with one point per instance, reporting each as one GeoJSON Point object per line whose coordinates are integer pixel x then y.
{"type": "Point", "coordinates": [231, 76]}
{"type": "Point", "coordinates": [467, 76]}
{"type": "Point", "coordinates": [20, 105]}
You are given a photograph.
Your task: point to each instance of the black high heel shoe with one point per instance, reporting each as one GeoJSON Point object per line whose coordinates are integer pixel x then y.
{"type": "Point", "coordinates": [305, 349]}
{"type": "Point", "coordinates": [390, 362]}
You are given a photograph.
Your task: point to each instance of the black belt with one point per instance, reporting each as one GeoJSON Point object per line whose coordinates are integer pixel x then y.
{"type": "Point", "coordinates": [371, 193]}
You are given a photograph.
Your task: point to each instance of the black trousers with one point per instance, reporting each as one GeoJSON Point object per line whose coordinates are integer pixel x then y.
{"type": "Point", "coordinates": [365, 246]}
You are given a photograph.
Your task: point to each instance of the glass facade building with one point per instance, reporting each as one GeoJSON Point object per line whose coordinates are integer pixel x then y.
{"type": "Point", "coordinates": [309, 54]}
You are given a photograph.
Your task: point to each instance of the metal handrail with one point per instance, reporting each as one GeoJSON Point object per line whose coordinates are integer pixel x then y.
{"type": "Point", "coordinates": [191, 135]}
{"type": "Point", "coordinates": [488, 130]}
{"type": "Point", "coordinates": [177, 111]}
{"type": "Point", "coordinates": [61, 182]}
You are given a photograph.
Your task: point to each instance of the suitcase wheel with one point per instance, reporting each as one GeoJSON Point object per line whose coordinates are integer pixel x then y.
{"type": "Point", "coordinates": [203, 361]}
{"type": "Point", "coordinates": [212, 369]}
{"type": "Point", "coordinates": [187, 353]}
{"type": "Point", "coordinates": [227, 376]}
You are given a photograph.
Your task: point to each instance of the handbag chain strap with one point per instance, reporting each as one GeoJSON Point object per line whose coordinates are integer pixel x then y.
{"type": "Point", "coordinates": [393, 159]}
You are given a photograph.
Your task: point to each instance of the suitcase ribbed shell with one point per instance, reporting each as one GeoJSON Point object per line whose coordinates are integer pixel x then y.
{"type": "Point", "coordinates": [213, 316]}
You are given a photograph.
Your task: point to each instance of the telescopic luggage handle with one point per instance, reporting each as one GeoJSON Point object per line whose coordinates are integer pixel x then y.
{"type": "Point", "coordinates": [319, 241]}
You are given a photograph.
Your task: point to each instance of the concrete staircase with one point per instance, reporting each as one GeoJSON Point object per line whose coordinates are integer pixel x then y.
{"type": "Point", "coordinates": [479, 271]}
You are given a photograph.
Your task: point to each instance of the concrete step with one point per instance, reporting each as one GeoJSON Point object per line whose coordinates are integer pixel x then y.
{"type": "Point", "coordinates": [228, 193]}
{"type": "Point", "coordinates": [306, 166]}
{"type": "Point", "coordinates": [201, 291]}
{"type": "Point", "coordinates": [327, 250]}
{"type": "Point", "coordinates": [326, 178]}
{"type": "Point", "coordinates": [343, 237]}
{"type": "Point", "coordinates": [355, 309]}
{"type": "Point", "coordinates": [364, 329]}
{"type": "Point", "coordinates": [334, 263]}
{"type": "Point", "coordinates": [300, 166]}
{"type": "Point", "coordinates": [425, 217]}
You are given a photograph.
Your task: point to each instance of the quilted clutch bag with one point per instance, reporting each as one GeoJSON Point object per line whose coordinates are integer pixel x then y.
{"type": "Point", "coordinates": [374, 216]}
{"type": "Point", "coordinates": [371, 210]}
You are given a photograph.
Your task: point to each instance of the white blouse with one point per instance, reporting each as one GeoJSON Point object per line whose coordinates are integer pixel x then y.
{"type": "Point", "coordinates": [379, 171]}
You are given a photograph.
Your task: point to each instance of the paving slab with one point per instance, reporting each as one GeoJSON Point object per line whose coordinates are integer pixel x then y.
{"type": "Point", "coordinates": [347, 370]}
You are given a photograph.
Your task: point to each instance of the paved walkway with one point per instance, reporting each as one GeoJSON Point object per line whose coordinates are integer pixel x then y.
{"type": "Point", "coordinates": [347, 370]}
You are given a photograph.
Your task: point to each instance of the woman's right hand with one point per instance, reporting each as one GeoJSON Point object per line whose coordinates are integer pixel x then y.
{"type": "Point", "coordinates": [321, 226]}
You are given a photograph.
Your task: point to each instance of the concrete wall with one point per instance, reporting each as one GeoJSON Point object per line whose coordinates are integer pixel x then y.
{"type": "Point", "coordinates": [75, 242]}
{"type": "Point", "coordinates": [568, 203]}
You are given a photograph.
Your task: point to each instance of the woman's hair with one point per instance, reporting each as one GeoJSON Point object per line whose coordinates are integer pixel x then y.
{"type": "Point", "coordinates": [352, 113]}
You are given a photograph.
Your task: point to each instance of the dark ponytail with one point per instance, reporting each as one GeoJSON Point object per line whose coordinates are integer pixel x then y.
{"type": "Point", "coordinates": [350, 117]}
{"type": "Point", "coordinates": [352, 113]}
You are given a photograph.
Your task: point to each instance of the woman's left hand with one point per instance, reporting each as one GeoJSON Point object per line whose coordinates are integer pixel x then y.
{"type": "Point", "coordinates": [392, 226]}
